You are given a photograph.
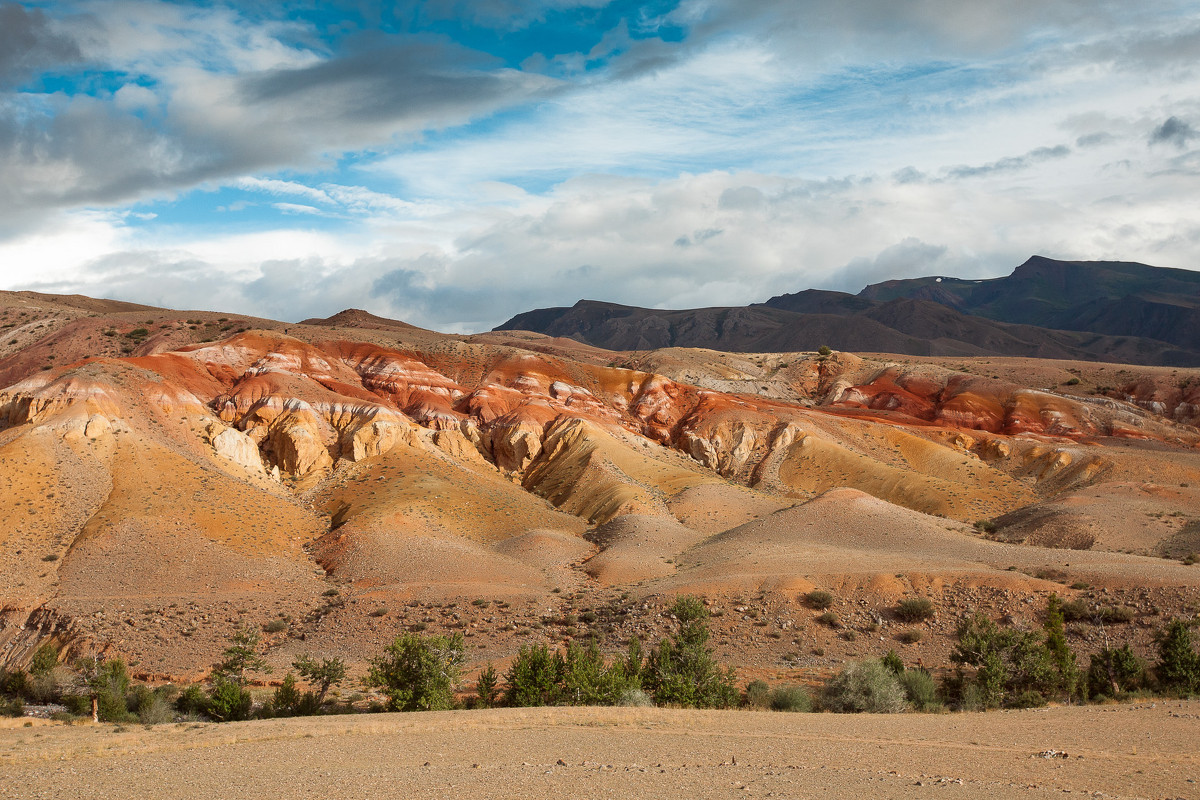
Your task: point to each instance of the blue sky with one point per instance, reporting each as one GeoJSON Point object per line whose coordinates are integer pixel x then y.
{"type": "Point", "coordinates": [453, 163]}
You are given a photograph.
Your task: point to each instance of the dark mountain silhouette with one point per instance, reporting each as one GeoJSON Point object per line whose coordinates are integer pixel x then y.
{"type": "Point", "coordinates": [1098, 311]}
{"type": "Point", "coordinates": [1111, 297]}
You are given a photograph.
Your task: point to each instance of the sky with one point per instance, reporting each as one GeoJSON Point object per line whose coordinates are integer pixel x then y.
{"type": "Point", "coordinates": [453, 163]}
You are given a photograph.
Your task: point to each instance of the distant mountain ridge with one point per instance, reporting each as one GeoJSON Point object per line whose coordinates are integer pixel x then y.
{"type": "Point", "coordinates": [1099, 311]}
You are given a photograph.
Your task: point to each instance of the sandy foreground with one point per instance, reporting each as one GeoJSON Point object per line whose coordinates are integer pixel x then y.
{"type": "Point", "coordinates": [1147, 750]}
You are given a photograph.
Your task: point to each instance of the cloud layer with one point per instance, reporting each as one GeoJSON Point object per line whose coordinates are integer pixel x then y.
{"type": "Point", "coordinates": [453, 164]}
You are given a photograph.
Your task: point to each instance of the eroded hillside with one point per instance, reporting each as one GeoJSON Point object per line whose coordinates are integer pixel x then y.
{"type": "Point", "coordinates": [169, 476]}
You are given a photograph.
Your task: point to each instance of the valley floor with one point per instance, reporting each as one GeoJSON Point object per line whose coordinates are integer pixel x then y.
{"type": "Point", "coordinates": [1139, 750]}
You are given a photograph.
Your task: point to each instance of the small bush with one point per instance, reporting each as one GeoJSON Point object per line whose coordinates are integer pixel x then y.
{"type": "Point", "coordinates": [1117, 615]}
{"type": "Point", "coordinates": [893, 662]}
{"type": "Point", "coordinates": [275, 626]}
{"type": "Point", "coordinates": [635, 698]}
{"type": "Point", "coordinates": [192, 701]}
{"type": "Point", "coordinates": [11, 707]}
{"type": "Point", "coordinates": [914, 609]}
{"type": "Point", "coordinates": [758, 694]}
{"type": "Point", "coordinates": [910, 636]}
{"type": "Point", "coordinates": [228, 701]}
{"type": "Point", "coordinates": [45, 658]}
{"type": "Point", "coordinates": [790, 698]}
{"type": "Point", "coordinates": [379, 612]}
{"type": "Point", "coordinates": [865, 686]}
{"type": "Point", "coordinates": [1076, 611]}
{"type": "Point", "coordinates": [831, 619]}
{"type": "Point", "coordinates": [155, 710]}
{"type": "Point", "coordinates": [920, 689]}
{"type": "Point", "coordinates": [1028, 699]}
{"type": "Point", "coordinates": [487, 687]}
{"type": "Point", "coordinates": [819, 599]}
{"type": "Point", "coordinates": [287, 696]}
{"type": "Point", "coordinates": [15, 683]}
{"type": "Point", "coordinates": [824, 351]}
{"type": "Point", "coordinates": [985, 526]}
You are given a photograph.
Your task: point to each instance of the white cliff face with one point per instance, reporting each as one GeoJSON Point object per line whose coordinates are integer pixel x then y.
{"type": "Point", "coordinates": [240, 449]}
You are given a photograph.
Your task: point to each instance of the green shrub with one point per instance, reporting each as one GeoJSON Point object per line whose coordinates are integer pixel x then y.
{"type": "Point", "coordinates": [419, 673]}
{"type": "Point", "coordinates": [790, 698]}
{"type": "Point", "coordinates": [1065, 680]}
{"type": "Point", "coordinates": [1076, 611]}
{"type": "Point", "coordinates": [1114, 672]}
{"type": "Point", "coordinates": [920, 689]}
{"type": "Point", "coordinates": [11, 707]}
{"type": "Point", "coordinates": [45, 659]}
{"type": "Point", "coordinates": [1028, 698]}
{"type": "Point", "coordinates": [635, 698]}
{"type": "Point", "coordinates": [47, 687]}
{"type": "Point", "coordinates": [15, 683]}
{"type": "Point", "coordinates": [831, 619]}
{"type": "Point", "coordinates": [1117, 615]}
{"type": "Point", "coordinates": [192, 701]}
{"type": "Point", "coordinates": [287, 697]}
{"type": "Point", "coordinates": [819, 599]}
{"type": "Point", "coordinates": [682, 671]}
{"type": "Point", "coordinates": [228, 700]}
{"type": "Point", "coordinates": [1011, 664]}
{"type": "Point", "coordinates": [758, 694]}
{"type": "Point", "coordinates": [911, 636]}
{"type": "Point", "coordinates": [893, 662]}
{"type": "Point", "coordinates": [1178, 667]}
{"type": "Point", "coordinates": [914, 609]}
{"type": "Point", "coordinates": [322, 675]}
{"type": "Point", "coordinates": [588, 680]}
{"type": "Point", "coordinates": [487, 687]}
{"type": "Point", "coordinates": [824, 351]}
{"type": "Point", "coordinates": [275, 626]}
{"type": "Point", "coordinates": [864, 686]}
{"type": "Point", "coordinates": [155, 708]}
{"type": "Point", "coordinates": [534, 678]}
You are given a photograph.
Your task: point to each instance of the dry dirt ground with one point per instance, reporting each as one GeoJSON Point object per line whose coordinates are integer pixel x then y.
{"type": "Point", "coordinates": [1117, 751]}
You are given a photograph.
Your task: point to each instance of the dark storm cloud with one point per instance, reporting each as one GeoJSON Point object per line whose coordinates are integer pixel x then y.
{"type": "Point", "coordinates": [82, 149]}
{"type": "Point", "coordinates": [1173, 131]}
{"type": "Point", "coordinates": [28, 45]}
{"type": "Point", "coordinates": [390, 80]}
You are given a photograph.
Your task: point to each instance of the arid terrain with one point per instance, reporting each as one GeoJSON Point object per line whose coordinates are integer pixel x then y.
{"type": "Point", "coordinates": [1118, 751]}
{"type": "Point", "coordinates": [168, 477]}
